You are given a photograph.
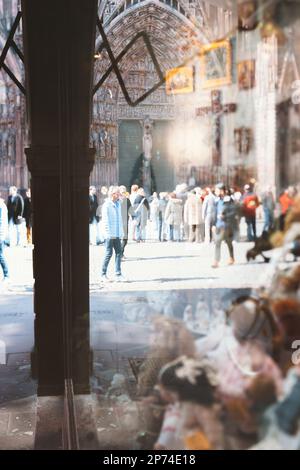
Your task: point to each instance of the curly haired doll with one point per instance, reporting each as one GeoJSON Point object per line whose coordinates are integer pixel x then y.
{"type": "Point", "coordinates": [192, 420]}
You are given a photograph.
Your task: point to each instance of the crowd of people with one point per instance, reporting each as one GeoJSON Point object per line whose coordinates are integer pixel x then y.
{"type": "Point", "coordinates": [237, 385]}
{"type": "Point", "coordinates": [211, 214]}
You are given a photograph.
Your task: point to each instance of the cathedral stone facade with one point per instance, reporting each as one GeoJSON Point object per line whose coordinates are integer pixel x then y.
{"type": "Point", "coordinates": [13, 169]}
{"type": "Point", "coordinates": [237, 121]}
{"type": "Point", "coordinates": [240, 136]}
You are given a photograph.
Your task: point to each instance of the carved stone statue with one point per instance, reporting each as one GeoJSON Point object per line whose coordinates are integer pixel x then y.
{"type": "Point", "coordinates": [147, 138]}
{"type": "Point", "coordinates": [147, 154]}
{"type": "Point", "coordinates": [11, 144]}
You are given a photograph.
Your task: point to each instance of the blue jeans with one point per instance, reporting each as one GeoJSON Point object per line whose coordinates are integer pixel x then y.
{"type": "Point", "coordinates": [2, 260]}
{"type": "Point", "coordinates": [110, 245]}
{"type": "Point", "coordinates": [269, 219]}
{"type": "Point", "coordinates": [174, 233]}
{"type": "Point", "coordinates": [251, 228]}
{"type": "Point", "coordinates": [140, 231]}
{"type": "Point", "coordinates": [161, 227]}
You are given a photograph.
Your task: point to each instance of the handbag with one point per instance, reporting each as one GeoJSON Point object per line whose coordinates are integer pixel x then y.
{"type": "Point", "coordinates": [137, 211]}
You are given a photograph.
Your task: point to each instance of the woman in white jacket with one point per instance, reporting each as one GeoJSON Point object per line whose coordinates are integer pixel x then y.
{"type": "Point", "coordinates": [193, 216]}
{"type": "Point", "coordinates": [173, 217]}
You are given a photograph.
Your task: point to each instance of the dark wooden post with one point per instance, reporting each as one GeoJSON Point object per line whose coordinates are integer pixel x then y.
{"type": "Point", "coordinates": [59, 38]}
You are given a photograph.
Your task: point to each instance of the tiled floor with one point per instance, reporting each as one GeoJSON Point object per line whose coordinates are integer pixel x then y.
{"type": "Point", "coordinates": [17, 403]}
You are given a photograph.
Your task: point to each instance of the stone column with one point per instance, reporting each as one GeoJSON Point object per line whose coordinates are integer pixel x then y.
{"type": "Point", "coordinates": [59, 40]}
{"type": "Point", "coordinates": [265, 108]}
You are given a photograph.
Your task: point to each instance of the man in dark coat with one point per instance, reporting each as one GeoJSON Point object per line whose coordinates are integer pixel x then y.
{"type": "Point", "coordinates": [15, 210]}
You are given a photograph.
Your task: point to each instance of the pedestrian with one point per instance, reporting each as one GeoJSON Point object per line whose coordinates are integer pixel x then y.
{"type": "Point", "coordinates": [193, 216]}
{"type": "Point", "coordinates": [126, 210]}
{"type": "Point", "coordinates": [154, 215]}
{"type": "Point", "coordinates": [15, 208]}
{"type": "Point", "coordinates": [208, 214]}
{"type": "Point", "coordinates": [102, 198]}
{"type": "Point", "coordinates": [224, 224]}
{"type": "Point", "coordinates": [93, 218]}
{"type": "Point", "coordinates": [113, 230]}
{"type": "Point", "coordinates": [286, 201]}
{"type": "Point", "coordinates": [3, 237]}
{"type": "Point", "coordinates": [268, 204]}
{"type": "Point", "coordinates": [133, 193]}
{"type": "Point", "coordinates": [237, 196]}
{"type": "Point", "coordinates": [173, 217]}
{"type": "Point", "coordinates": [141, 210]}
{"type": "Point", "coordinates": [162, 228]}
{"type": "Point", "coordinates": [132, 197]}
{"type": "Point", "coordinates": [250, 203]}
{"type": "Point", "coordinates": [28, 216]}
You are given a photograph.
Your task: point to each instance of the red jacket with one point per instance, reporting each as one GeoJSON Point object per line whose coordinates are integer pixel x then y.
{"type": "Point", "coordinates": [250, 204]}
{"type": "Point", "coordinates": [285, 202]}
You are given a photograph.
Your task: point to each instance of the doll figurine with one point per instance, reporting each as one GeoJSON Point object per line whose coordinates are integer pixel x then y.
{"type": "Point", "coordinates": [192, 418]}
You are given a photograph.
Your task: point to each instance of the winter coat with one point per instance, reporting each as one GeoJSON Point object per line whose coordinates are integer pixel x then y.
{"type": "Point", "coordinates": [226, 213]}
{"type": "Point", "coordinates": [27, 214]}
{"type": "Point", "coordinates": [126, 210]}
{"type": "Point", "coordinates": [15, 208]}
{"type": "Point", "coordinates": [93, 206]}
{"type": "Point", "coordinates": [268, 201]}
{"type": "Point", "coordinates": [209, 207]}
{"type": "Point", "coordinates": [154, 208]}
{"type": "Point", "coordinates": [173, 214]}
{"type": "Point", "coordinates": [250, 204]}
{"type": "Point", "coordinates": [112, 219]}
{"type": "Point", "coordinates": [140, 210]}
{"type": "Point", "coordinates": [286, 202]}
{"type": "Point", "coordinates": [193, 211]}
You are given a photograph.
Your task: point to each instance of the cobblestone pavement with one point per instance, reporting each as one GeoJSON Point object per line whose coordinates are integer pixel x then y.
{"type": "Point", "coordinates": [163, 278]}
{"type": "Point", "coordinates": [151, 266]}
{"type": "Point", "coordinates": [160, 266]}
